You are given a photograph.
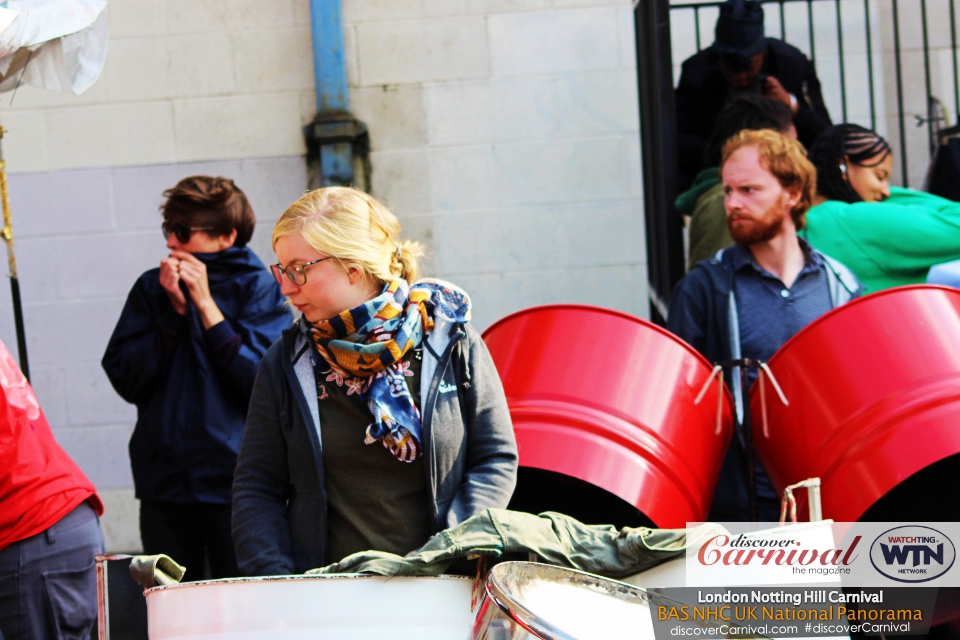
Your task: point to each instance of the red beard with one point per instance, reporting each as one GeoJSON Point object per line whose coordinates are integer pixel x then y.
{"type": "Point", "coordinates": [754, 231]}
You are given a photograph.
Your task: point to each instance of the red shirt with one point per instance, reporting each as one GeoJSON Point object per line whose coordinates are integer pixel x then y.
{"type": "Point", "coordinates": [39, 482]}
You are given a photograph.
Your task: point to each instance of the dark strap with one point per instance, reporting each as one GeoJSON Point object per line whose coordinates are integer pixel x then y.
{"type": "Point", "coordinates": [460, 369]}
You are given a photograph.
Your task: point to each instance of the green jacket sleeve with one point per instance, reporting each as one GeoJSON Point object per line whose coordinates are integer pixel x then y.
{"type": "Point", "coordinates": [890, 243]}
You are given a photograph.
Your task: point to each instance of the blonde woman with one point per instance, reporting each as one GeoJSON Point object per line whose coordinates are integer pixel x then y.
{"type": "Point", "coordinates": [379, 419]}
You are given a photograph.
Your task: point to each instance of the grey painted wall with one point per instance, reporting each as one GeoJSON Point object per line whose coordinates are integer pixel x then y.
{"type": "Point", "coordinates": [82, 238]}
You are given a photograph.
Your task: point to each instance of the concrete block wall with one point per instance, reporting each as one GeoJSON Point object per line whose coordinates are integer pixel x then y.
{"type": "Point", "coordinates": [218, 87]}
{"type": "Point", "coordinates": [184, 81]}
{"type": "Point", "coordinates": [505, 135]}
{"type": "Point", "coordinates": [913, 62]}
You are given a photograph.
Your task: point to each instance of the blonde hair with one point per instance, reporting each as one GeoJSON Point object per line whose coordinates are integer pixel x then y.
{"type": "Point", "coordinates": [786, 160]}
{"type": "Point", "coordinates": [354, 228]}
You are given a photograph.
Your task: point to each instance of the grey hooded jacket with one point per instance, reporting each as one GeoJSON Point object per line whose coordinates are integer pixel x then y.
{"type": "Point", "coordinates": [279, 496]}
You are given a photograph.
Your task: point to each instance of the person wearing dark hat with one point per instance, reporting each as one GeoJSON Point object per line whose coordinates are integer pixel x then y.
{"type": "Point", "coordinates": [743, 61]}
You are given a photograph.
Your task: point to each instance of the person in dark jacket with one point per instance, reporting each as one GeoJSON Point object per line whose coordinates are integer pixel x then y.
{"type": "Point", "coordinates": [186, 351]}
{"type": "Point", "coordinates": [743, 61]}
{"type": "Point", "coordinates": [379, 419]}
{"type": "Point", "coordinates": [749, 299]}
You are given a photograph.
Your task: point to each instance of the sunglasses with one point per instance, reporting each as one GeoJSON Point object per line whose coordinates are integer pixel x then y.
{"type": "Point", "coordinates": [296, 273]}
{"type": "Point", "coordinates": [181, 231]}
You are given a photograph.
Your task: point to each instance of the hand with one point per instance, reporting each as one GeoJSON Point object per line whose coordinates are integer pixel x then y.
{"type": "Point", "coordinates": [775, 91]}
{"type": "Point", "coordinates": [170, 281]}
{"type": "Point", "coordinates": [193, 273]}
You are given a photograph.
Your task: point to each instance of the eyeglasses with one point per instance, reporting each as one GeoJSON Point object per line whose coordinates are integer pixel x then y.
{"type": "Point", "coordinates": [182, 231]}
{"type": "Point", "coordinates": [296, 273]}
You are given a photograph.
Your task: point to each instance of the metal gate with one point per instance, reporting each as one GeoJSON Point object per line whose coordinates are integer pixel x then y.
{"type": "Point", "coordinates": [890, 65]}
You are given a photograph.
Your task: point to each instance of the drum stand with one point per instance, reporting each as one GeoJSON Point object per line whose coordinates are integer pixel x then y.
{"type": "Point", "coordinates": [746, 426]}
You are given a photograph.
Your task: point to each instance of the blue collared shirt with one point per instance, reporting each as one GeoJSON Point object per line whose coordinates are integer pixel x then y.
{"type": "Point", "coordinates": [770, 313]}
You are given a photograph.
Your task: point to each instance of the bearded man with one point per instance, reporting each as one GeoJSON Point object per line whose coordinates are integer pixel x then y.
{"type": "Point", "coordinates": [749, 299]}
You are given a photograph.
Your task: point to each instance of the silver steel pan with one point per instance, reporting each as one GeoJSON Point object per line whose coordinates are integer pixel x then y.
{"type": "Point", "coordinates": [530, 600]}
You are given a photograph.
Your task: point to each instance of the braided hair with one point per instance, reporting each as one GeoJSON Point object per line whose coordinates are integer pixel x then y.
{"type": "Point", "coordinates": [841, 144]}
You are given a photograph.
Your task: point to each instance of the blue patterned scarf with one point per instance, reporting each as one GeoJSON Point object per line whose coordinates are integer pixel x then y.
{"type": "Point", "coordinates": [367, 343]}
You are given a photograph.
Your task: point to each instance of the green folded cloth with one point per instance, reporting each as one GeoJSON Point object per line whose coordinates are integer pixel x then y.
{"type": "Point", "coordinates": [557, 539]}
{"type": "Point", "coordinates": [155, 571]}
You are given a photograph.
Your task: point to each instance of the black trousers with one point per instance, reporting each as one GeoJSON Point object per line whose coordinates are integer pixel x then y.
{"type": "Point", "coordinates": [191, 534]}
{"type": "Point", "coordinates": [48, 582]}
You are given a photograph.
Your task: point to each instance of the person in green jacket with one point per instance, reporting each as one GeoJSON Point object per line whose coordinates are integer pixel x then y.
{"type": "Point", "coordinates": [703, 202]}
{"type": "Point", "coordinates": [888, 236]}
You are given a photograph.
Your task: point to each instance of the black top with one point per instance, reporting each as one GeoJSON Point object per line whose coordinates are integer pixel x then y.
{"type": "Point", "coordinates": [703, 92]}
{"type": "Point", "coordinates": [375, 501]}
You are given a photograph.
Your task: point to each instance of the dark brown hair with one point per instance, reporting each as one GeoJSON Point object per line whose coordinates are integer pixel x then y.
{"type": "Point", "coordinates": [786, 160]}
{"type": "Point", "coordinates": [752, 112]}
{"type": "Point", "coordinates": [216, 203]}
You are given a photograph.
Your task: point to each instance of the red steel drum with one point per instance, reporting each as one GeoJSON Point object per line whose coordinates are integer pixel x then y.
{"type": "Point", "coordinates": [608, 398]}
{"type": "Point", "coordinates": [874, 393]}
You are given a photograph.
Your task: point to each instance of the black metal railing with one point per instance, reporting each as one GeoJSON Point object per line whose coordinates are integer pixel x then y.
{"type": "Point", "coordinates": [665, 262]}
{"type": "Point", "coordinates": [876, 73]}
{"type": "Point", "coordinates": [874, 60]}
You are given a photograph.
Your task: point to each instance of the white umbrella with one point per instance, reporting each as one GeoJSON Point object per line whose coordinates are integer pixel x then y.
{"type": "Point", "coordinates": [53, 44]}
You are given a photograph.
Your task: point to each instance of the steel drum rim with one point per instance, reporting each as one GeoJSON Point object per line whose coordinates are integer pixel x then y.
{"type": "Point", "coordinates": [530, 621]}
{"type": "Point", "coordinates": [610, 312]}
{"type": "Point", "coordinates": [728, 396]}
{"type": "Point", "coordinates": [523, 617]}
{"type": "Point", "coordinates": [615, 431]}
{"type": "Point", "coordinates": [891, 411]}
{"type": "Point", "coordinates": [530, 411]}
{"type": "Point", "coordinates": [842, 470]}
{"type": "Point", "coordinates": [292, 578]}
{"type": "Point", "coordinates": [856, 301]}
{"type": "Point", "coordinates": [876, 421]}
